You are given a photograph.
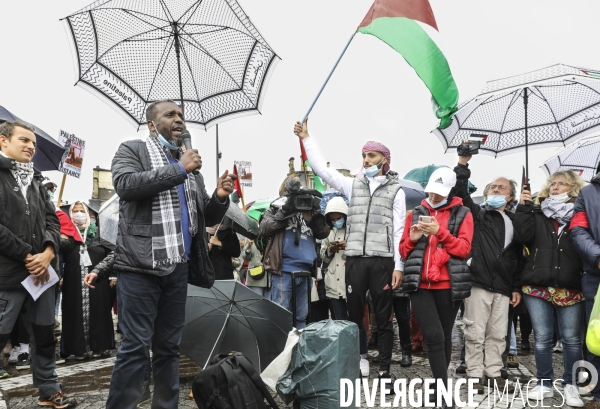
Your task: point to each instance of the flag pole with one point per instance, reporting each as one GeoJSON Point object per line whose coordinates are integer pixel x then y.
{"type": "Point", "coordinates": [327, 80]}
{"type": "Point", "coordinates": [242, 198]}
{"type": "Point", "coordinates": [62, 188]}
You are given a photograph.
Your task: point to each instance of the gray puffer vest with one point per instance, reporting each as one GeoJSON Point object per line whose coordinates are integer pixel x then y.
{"type": "Point", "coordinates": [460, 276]}
{"type": "Point", "coordinates": [370, 229]}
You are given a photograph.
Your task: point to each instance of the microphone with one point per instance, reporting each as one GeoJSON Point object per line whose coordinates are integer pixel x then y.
{"type": "Point", "coordinates": [187, 142]}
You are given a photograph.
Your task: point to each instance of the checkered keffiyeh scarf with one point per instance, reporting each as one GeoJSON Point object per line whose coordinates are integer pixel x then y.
{"type": "Point", "coordinates": [23, 174]}
{"type": "Point", "coordinates": [167, 237]}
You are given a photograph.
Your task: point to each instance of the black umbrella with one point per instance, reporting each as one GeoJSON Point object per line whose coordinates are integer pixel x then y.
{"type": "Point", "coordinates": [48, 152]}
{"type": "Point", "coordinates": [242, 223]}
{"type": "Point", "coordinates": [231, 317]}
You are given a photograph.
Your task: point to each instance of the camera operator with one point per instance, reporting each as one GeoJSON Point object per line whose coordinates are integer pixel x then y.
{"type": "Point", "coordinates": [494, 273]}
{"type": "Point", "coordinates": [292, 229]}
{"type": "Point", "coordinates": [375, 225]}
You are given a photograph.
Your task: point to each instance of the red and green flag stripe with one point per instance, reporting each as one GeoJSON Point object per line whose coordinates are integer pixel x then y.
{"type": "Point", "coordinates": [409, 27]}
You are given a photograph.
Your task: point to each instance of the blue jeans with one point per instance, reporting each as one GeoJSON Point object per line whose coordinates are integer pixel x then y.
{"type": "Point", "coordinates": [569, 322]}
{"type": "Point", "coordinates": [281, 293]}
{"type": "Point", "coordinates": [151, 315]}
{"type": "Point", "coordinates": [589, 286]}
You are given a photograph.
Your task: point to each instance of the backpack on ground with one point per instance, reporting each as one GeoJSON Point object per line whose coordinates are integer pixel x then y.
{"type": "Point", "coordinates": [231, 382]}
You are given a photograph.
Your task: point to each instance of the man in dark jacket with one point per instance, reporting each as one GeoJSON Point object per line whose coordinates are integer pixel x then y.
{"type": "Point", "coordinates": [29, 240]}
{"type": "Point", "coordinates": [493, 266]}
{"type": "Point", "coordinates": [291, 248]}
{"type": "Point", "coordinates": [161, 246]}
{"type": "Point", "coordinates": [585, 234]}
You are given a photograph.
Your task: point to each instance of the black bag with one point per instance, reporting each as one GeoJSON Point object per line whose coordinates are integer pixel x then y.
{"type": "Point", "coordinates": [231, 382]}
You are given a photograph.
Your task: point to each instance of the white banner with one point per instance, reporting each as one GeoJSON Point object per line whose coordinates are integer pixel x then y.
{"type": "Point", "coordinates": [72, 159]}
{"type": "Point", "coordinates": [244, 172]}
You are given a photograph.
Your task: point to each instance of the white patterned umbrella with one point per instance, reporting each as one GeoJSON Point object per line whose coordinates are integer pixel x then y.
{"type": "Point", "coordinates": [205, 54]}
{"type": "Point", "coordinates": [553, 106]}
{"type": "Point", "coordinates": [581, 157]}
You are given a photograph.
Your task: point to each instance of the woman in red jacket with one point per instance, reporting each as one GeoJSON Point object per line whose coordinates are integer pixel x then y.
{"type": "Point", "coordinates": [436, 275]}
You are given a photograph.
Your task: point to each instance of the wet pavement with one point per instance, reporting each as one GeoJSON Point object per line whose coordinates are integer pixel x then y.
{"type": "Point", "coordinates": [88, 380]}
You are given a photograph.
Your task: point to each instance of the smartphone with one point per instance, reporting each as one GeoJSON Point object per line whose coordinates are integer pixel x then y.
{"type": "Point", "coordinates": [425, 219]}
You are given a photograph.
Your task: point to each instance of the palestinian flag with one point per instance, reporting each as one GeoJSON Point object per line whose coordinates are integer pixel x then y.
{"type": "Point", "coordinates": [236, 185]}
{"type": "Point", "coordinates": [409, 27]}
{"type": "Point", "coordinates": [319, 186]}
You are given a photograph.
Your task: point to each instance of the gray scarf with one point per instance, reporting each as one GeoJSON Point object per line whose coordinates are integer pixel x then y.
{"type": "Point", "coordinates": [561, 212]}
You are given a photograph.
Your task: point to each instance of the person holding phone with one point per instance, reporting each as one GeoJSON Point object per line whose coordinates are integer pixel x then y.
{"type": "Point", "coordinates": [436, 275]}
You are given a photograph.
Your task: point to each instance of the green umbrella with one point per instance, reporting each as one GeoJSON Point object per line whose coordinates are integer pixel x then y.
{"type": "Point", "coordinates": [422, 175]}
{"type": "Point", "coordinates": [258, 208]}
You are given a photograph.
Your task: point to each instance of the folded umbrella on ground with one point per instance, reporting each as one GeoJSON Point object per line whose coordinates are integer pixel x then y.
{"type": "Point", "coordinates": [231, 317]}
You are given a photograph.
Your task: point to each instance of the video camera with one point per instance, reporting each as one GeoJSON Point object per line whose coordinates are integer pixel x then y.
{"type": "Point", "coordinates": [296, 200]}
{"type": "Point", "coordinates": [471, 147]}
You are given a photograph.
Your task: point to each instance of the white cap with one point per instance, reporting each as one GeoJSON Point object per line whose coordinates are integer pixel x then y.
{"type": "Point", "coordinates": [48, 180]}
{"type": "Point", "coordinates": [337, 204]}
{"type": "Point", "coordinates": [441, 181]}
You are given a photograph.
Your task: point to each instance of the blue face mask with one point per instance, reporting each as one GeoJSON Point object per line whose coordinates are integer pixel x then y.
{"type": "Point", "coordinates": [339, 223]}
{"type": "Point", "coordinates": [167, 144]}
{"type": "Point", "coordinates": [496, 201]}
{"type": "Point", "coordinates": [51, 194]}
{"type": "Point", "coordinates": [372, 171]}
{"type": "Point", "coordinates": [440, 204]}
{"type": "Point", "coordinates": [164, 141]}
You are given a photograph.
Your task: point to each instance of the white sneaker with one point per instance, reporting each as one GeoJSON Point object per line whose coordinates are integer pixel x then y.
{"type": "Point", "coordinates": [540, 392]}
{"type": "Point", "coordinates": [558, 347]}
{"type": "Point", "coordinates": [364, 367]}
{"type": "Point", "coordinates": [572, 396]}
{"type": "Point", "coordinates": [14, 355]}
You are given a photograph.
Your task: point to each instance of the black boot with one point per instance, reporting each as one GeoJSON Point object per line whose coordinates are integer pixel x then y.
{"type": "Point", "coordinates": [406, 359]}
{"type": "Point", "coordinates": [374, 341]}
{"type": "Point", "coordinates": [462, 368]}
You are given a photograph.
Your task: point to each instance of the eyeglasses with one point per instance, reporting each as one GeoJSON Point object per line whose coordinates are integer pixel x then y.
{"type": "Point", "coordinates": [561, 184]}
{"type": "Point", "coordinates": [499, 187]}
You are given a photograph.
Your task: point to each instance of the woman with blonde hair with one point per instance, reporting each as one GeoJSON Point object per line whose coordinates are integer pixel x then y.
{"type": "Point", "coordinates": [552, 280]}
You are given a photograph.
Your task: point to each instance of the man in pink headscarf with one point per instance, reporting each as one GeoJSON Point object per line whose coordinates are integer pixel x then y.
{"type": "Point", "coordinates": [375, 225]}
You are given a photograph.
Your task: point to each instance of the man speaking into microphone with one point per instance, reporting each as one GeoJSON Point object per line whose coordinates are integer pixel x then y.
{"type": "Point", "coordinates": [163, 212]}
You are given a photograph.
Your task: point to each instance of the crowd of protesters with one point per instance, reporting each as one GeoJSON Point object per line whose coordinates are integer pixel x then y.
{"type": "Point", "coordinates": [514, 255]}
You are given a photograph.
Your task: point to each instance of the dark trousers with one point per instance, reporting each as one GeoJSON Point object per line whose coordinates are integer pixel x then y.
{"type": "Point", "coordinates": [373, 274]}
{"type": "Point", "coordinates": [151, 315]}
{"type": "Point", "coordinates": [436, 309]}
{"type": "Point", "coordinates": [38, 320]}
{"type": "Point", "coordinates": [339, 309]}
{"type": "Point", "coordinates": [511, 315]}
{"type": "Point", "coordinates": [402, 312]}
{"type": "Point", "coordinates": [19, 334]}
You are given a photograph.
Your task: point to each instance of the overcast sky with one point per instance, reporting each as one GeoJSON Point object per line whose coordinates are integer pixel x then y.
{"type": "Point", "coordinates": [373, 95]}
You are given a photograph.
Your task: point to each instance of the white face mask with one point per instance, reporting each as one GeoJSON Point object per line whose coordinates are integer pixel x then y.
{"type": "Point", "coordinates": [79, 218]}
{"type": "Point", "coordinates": [562, 198]}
